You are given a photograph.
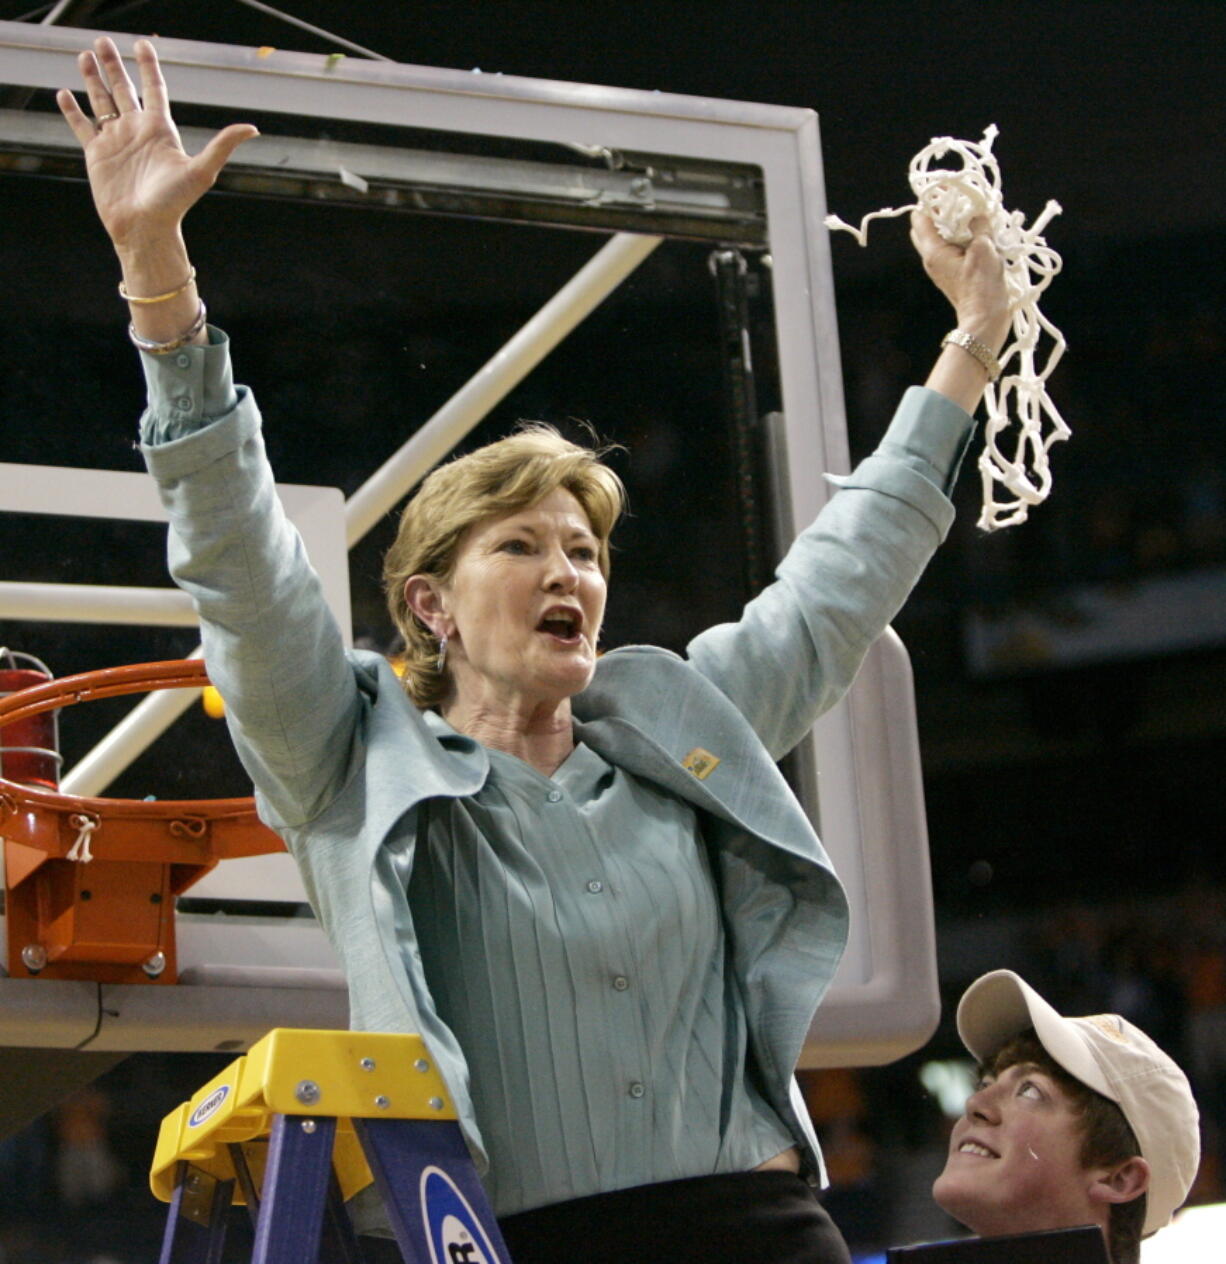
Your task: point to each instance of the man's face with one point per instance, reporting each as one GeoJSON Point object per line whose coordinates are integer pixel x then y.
{"type": "Point", "coordinates": [1014, 1158]}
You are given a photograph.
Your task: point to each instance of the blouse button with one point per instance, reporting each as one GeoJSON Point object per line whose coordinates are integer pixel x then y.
{"type": "Point", "coordinates": [183, 360]}
{"type": "Point", "coordinates": [595, 886]}
{"type": "Point", "coordinates": [554, 796]}
{"type": "Point", "coordinates": [637, 1090]}
{"type": "Point", "coordinates": [621, 983]}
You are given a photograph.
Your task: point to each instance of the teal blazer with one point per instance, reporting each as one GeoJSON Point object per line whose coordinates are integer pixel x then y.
{"type": "Point", "coordinates": [340, 757]}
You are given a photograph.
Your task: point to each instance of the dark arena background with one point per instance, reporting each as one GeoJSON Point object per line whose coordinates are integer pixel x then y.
{"type": "Point", "coordinates": [1070, 672]}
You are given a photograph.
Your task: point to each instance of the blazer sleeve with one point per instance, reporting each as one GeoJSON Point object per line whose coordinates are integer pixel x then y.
{"type": "Point", "coordinates": [273, 649]}
{"type": "Point", "coordinates": [799, 643]}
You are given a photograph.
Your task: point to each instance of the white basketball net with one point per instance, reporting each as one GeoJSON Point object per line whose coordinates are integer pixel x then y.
{"type": "Point", "coordinates": [952, 197]}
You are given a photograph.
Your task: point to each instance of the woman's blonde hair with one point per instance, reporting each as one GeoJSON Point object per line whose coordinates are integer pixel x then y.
{"type": "Point", "coordinates": [500, 478]}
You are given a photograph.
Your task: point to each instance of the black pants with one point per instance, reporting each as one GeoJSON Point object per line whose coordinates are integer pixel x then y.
{"type": "Point", "coordinates": [742, 1218]}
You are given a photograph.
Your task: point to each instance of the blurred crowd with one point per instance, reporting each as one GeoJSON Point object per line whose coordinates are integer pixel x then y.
{"type": "Point", "coordinates": [74, 1185]}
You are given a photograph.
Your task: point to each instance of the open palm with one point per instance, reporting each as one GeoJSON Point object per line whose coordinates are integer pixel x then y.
{"type": "Point", "coordinates": [142, 179]}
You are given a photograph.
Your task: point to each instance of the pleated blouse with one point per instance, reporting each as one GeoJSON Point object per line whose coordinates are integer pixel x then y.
{"type": "Point", "coordinates": [571, 936]}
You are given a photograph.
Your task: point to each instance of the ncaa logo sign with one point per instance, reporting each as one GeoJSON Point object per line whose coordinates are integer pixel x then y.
{"type": "Point", "coordinates": [209, 1106]}
{"type": "Point", "coordinates": [452, 1228]}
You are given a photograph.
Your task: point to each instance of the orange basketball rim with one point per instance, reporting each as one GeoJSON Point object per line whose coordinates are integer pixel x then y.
{"type": "Point", "coordinates": [91, 882]}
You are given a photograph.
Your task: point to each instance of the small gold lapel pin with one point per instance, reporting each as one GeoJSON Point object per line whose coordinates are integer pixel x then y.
{"type": "Point", "coordinates": [700, 762]}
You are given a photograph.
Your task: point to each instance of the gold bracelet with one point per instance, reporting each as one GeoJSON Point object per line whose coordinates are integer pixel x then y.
{"type": "Point", "coordinates": [164, 348]}
{"type": "Point", "coordinates": [157, 298]}
{"type": "Point", "coordinates": [973, 347]}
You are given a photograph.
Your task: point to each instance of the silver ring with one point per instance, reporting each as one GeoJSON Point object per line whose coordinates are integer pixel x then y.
{"type": "Point", "coordinates": [105, 118]}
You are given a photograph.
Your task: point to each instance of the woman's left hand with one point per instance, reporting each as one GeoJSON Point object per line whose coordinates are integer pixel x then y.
{"type": "Point", "coordinates": [972, 277]}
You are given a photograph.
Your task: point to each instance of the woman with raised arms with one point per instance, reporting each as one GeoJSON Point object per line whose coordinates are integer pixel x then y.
{"type": "Point", "coordinates": [583, 881]}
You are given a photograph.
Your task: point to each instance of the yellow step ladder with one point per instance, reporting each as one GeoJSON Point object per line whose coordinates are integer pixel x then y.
{"type": "Point", "coordinates": [302, 1122]}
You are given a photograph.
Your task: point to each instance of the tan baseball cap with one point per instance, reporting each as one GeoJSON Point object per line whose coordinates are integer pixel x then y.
{"type": "Point", "coordinates": [1108, 1054]}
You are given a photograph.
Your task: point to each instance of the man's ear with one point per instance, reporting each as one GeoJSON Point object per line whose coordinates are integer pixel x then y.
{"type": "Point", "coordinates": [424, 598]}
{"type": "Point", "coordinates": [1122, 1183]}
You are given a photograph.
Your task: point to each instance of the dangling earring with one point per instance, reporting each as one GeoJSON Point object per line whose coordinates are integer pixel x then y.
{"type": "Point", "coordinates": [442, 655]}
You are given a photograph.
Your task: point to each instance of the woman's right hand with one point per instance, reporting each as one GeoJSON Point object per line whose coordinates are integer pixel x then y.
{"type": "Point", "coordinates": [142, 179]}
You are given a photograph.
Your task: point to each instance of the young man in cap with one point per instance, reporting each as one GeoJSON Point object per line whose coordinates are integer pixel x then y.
{"type": "Point", "coordinates": [1075, 1121]}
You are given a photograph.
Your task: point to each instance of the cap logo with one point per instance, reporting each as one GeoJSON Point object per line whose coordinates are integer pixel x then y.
{"type": "Point", "coordinates": [1110, 1026]}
